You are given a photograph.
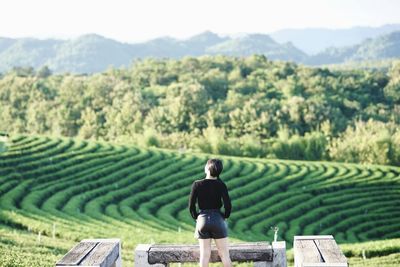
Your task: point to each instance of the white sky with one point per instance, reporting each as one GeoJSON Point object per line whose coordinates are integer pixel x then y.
{"type": "Point", "coordinates": [141, 20]}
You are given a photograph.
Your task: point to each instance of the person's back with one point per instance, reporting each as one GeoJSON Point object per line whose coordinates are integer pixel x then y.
{"type": "Point", "coordinates": [209, 193]}
{"type": "Point", "coordinates": [210, 221]}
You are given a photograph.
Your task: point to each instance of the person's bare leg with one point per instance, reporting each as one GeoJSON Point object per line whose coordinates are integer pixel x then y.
{"type": "Point", "coordinates": [205, 252]}
{"type": "Point", "coordinates": [223, 251]}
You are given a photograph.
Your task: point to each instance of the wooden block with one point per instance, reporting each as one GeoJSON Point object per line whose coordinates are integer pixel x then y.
{"type": "Point", "coordinates": [279, 254]}
{"type": "Point", "coordinates": [312, 237]}
{"type": "Point", "coordinates": [93, 252]}
{"type": "Point", "coordinates": [330, 251]}
{"type": "Point", "coordinates": [318, 251]}
{"type": "Point", "coordinates": [257, 251]}
{"type": "Point", "coordinates": [306, 251]}
{"type": "Point", "coordinates": [104, 255]}
{"type": "Point", "coordinates": [77, 254]}
{"type": "Point", "coordinates": [141, 256]}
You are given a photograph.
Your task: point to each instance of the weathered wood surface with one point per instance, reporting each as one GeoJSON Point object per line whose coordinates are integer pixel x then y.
{"type": "Point", "coordinates": [330, 251]}
{"type": "Point", "coordinates": [313, 237]}
{"type": "Point", "coordinates": [93, 252]}
{"type": "Point", "coordinates": [279, 250]}
{"type": "Point", "coordinates": [318, 251]}
{"type": "Point", "coordinates": [258, 251]}
{"type": "Point", "coordinates": [261, 253]}
{"type": "Point", "coordinates": [307, 251]}
{"type": "Point", "coordinates": [77, 253]}
{"type": "Point", "coordinates": [104, 255]}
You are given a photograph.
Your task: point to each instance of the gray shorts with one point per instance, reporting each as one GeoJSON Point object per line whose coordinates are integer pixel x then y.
{"type": "Point", "coordinates": [210, 224]}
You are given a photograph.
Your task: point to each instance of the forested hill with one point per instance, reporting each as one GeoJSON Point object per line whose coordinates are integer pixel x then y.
{"type": "Point", "coordinates": [94, 53]}
{"type": "Point", "coordinates": [315, 40]}
{"type": "Point", "coordinates": [248, 106]}
{"type": "Point", "coordinates": [382, 47]}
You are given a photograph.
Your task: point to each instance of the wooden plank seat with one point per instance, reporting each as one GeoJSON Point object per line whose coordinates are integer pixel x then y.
{"type": "Point", "coordinates": [317, 251]}
{"type": "Point", "coordinates": [94, 252]}
{"type": "Point", "coordinates": [261, 253]}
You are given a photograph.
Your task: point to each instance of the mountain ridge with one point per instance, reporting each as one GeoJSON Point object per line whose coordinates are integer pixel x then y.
{"type": "Point", "coordinates": [90, 53]}
{"type": "Point", "coordinates": [305, 39]}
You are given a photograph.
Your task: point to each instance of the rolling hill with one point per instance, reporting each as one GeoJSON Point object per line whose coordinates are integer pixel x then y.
{"type": "Point", "coordinates": [315, 40]}
{"type": "Point", "coordinates": [257, 44]}
{"type": "Point", "coordinates": [56, 191]}
{"type": "Point", "coordinates": [93, 53]}
{"type": "Point", "coordinates": [383, 47]}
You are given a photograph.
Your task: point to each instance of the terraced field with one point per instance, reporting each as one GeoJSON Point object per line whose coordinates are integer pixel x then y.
{"type": "Point", "coordinates": [54, 192]}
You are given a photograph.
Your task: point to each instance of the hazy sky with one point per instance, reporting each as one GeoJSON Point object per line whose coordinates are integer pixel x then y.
{"type": "Point", "coordinates": [141, 20]}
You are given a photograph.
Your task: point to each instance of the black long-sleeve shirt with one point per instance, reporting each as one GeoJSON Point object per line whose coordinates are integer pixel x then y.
{"type": "Point", "coordinates": [208, 193]}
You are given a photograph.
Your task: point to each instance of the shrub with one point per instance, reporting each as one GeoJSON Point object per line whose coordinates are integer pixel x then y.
{"type": "Point", "coordinates": [312, 146]}
{"type": "Point", "coordinates": [371, 142]}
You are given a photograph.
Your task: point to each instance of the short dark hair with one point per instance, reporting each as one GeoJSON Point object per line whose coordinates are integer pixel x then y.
{"type": "Point", "coordinates": [215, 167]}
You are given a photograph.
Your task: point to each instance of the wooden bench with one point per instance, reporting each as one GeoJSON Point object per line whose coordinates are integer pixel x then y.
{"type": "Point", "coordinates": [262, 254]}
{"type": "Point", "coordinates": [94, 252]}
{"type": "Point", "coordinates": [317, 251]}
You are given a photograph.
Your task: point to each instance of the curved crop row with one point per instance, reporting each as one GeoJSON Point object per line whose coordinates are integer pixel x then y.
{"type": "Point", "coordinates": [92, 189]}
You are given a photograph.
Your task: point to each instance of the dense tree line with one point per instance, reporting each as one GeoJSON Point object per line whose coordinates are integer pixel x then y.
{"type": "Point", "coordinates": [228, 105]}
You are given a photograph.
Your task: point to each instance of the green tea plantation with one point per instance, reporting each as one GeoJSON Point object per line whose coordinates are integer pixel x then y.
{"type": "Point", "coordinates": [57, 191]}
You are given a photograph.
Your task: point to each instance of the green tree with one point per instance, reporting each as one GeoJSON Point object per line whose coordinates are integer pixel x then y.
{"type": "Point", "coordinates": [392, 90]}
{"type": "Point", "coordinates": [371, 142]}
{"type": "Point", "coordinates": [44, 72]}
